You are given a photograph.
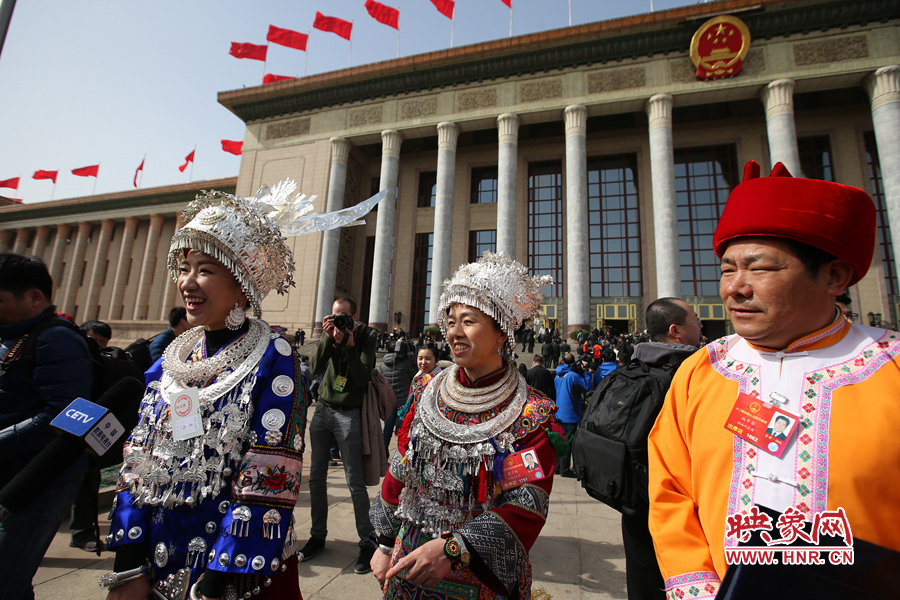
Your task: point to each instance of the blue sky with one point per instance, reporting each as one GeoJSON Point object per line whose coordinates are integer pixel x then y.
{"type": "Point", "coordinates": [110, 81]}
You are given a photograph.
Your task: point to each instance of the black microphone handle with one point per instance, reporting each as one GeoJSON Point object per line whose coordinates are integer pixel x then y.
{"type": "Point", "coordinates": [63, 452]}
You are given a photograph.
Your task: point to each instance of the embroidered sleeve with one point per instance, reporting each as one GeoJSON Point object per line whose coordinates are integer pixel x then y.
{"type": "Point", "coordinates": [502, 536]}
{"type": "Point", "coordinates": [265, 488]}
{"type": "Point", "coordinates": [697, 586]}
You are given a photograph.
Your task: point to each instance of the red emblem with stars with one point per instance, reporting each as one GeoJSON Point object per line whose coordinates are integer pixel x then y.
{"type": "Point", "coordinates": [719, 47]}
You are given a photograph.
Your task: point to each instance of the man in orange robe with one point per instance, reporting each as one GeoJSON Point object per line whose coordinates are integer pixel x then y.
{"type": "Point", "coordinates": [788, 247]}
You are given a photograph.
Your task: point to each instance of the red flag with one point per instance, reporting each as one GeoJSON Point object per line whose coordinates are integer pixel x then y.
{"type": "Point", "coordinates": [333, 24]}
{"type": "Point", "coordinates": [138, 170]}
{"type": "Point", "coordinates": [384, 14]}
{"type": "Point", "coordinates": [251, 51]}
{"type": "Point", "coordinates": [187, 159]}
{"type": "Point", "coordinates": [51, 175]}
{"type": "Point", "coordinates": [445, 7]}
{"type": "Point", "coordinates": [12, 184]}
{"type": "Point", "coordinates": [507, 2]}
{"type": "Point", "coordinates": [269, 78]}
{"type": "Point", "coordinates": [286, 37]}
{"type": "Point", "coordinates": [233, 147]}
{"type": "Point", "coordinates": [87, 171]}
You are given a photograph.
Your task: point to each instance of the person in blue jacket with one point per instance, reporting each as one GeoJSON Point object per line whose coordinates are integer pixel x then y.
{"type": "Point", "coordinates": [212, 469]}
{"type": "Point", "coordinates": [571, 384]}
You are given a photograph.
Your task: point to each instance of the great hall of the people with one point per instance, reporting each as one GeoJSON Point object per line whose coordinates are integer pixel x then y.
{"type": "Point", "coordinates": [601, 154]}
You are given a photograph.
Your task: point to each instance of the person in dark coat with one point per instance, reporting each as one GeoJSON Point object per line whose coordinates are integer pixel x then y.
{"type": "Point", "coordinates": [399, 372]}
{"type": "Point", "coordinates": [554, 353]}
{"type": "Point", "coordinates": [540, 378]}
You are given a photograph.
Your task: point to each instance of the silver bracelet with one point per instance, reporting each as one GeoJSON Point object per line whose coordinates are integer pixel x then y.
{"type": "Point", "coordinates": [385, 549]}
{"type": "Point", "coordinates": [114, 580]}
{"type": "Point", "coordinates": [194, 594]}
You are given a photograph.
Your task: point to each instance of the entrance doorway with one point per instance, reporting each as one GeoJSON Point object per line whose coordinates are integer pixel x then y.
{"type": "Point", "coordinates": [714, 329]}
{"type": "Point", "coordinates": [618, 326]}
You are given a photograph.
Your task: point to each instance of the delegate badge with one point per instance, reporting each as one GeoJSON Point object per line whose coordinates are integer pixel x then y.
{"type": "Point", "coordinates": [764, 425]}
{"type": "Point", "coordinates": [521, 467]}
{"type": "Point", "coordinates": [339, 383]}
{"type": "Point", "coordinates": [184, 408]}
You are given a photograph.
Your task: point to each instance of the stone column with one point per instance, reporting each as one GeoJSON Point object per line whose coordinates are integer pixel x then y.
{"type": "Point", "coordinates": [507, 178]}
{"type": "Point", "coordinates": [384, 230]}
{"type": "Point", "coordinates": [577, 275]}
{"type": "Point", "coordinates": [448, 133]}
{"type": "Point", "coordinates": [778, 98]}
{"type": "Point", "coordinates": [59, 253]}
{"type": "Point", "coordinates": [331, 240]}
{"type": "Point", "coordinates": [171, 297]}
{"type": "Point", "coordinates": [6, 236]}
{"type": "Point", "coordinates": [91, 310]}
{"type": "Point", "coordinates": [21, 243]}
{"type": "Point", "coordinates": [884, 91]}
{"type": "Point", "coordinates": [147, 267]}
{"type": "Point", "coordinates": [73, 277]}
{"type": "Point", "coordinates": [665, 213]}
{"type": "Point", "coordinates": [124, 262]}
{"type": "Point", "coordinates": [40, 241]}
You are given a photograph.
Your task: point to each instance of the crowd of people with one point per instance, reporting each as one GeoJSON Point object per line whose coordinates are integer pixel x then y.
{"type": "Point", "coordinates": [211, 473]}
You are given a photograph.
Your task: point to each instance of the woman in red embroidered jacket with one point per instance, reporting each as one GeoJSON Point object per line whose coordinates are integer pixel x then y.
{"type": "Point", "coordinates": [458, 512]}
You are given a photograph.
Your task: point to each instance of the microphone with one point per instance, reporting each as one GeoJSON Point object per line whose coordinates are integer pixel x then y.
{"type": "Point", "coordinates": [63, 452]}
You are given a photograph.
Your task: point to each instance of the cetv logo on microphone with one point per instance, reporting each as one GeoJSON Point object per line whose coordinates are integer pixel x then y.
{"type": "Point", "coordinates": [98, 427]}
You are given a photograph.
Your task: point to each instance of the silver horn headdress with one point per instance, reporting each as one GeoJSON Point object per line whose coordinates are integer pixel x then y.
{"type": "Point", "coordinates": [498, 286]}
{"type": "Point", "coordinates": [248, 235]}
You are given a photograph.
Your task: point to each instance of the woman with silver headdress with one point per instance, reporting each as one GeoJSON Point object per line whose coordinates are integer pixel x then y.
{"type": "Point", "coordinates": [458, 511]}
{"type": "Point", "coordinates": [212, 470]}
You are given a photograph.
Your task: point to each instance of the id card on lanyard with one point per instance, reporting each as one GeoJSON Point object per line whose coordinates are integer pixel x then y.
{"type": "Point", "coordinates": [761, 423]}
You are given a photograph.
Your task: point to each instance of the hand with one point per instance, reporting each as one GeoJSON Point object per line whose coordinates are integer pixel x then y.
{"type": "Point", "coordinates": [380, 563]}
{"type": "Point", "coordinates": [136, 589]}
{"type": "Point", "coordinates": [425, 566]}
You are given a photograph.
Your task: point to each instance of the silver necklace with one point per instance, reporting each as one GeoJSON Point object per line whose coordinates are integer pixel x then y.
{"type": "Point", "coordinates": [477, 400]}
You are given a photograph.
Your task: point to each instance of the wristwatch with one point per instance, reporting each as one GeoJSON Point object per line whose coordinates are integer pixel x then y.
{"type": "Point", "coordinates": [455, 549]}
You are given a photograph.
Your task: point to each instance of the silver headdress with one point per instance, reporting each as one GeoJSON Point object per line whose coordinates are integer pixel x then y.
{"type": "Point", "coordinates": [498, 286]}
{"type": "Point", "coordinates": [248, 235]}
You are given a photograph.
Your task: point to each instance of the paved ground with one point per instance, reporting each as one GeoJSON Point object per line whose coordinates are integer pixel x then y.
{"type": "Point", "coordinates": [578, 555]}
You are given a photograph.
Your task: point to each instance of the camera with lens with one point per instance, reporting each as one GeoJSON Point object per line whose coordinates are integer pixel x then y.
{"type": "Point", "coordinates": [343, 321]}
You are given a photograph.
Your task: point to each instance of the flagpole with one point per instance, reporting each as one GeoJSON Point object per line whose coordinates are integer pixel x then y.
{"type": "Point", "coordinates": [141, 178]}
{"type": "Point", "coordinates": [510, 18]}
{"type": "Point", "coordinates": [191, 176]}
{"type": "Point", "coordinates": [350, 56]}
{"type": "Point", "coordinates": [451, 32]}
{"type": "Point", "coordinates": [570, 11]}
{"type": "Point", "coordinates": [53, 191]}
{"type": "Point", "coordinates": [265, 60]}
{"type": "Point", "coordinates": [96, 177]}
{"type": "Point", "coordinates": [306, 52]}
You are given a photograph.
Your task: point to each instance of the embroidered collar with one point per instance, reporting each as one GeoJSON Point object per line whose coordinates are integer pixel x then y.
{"type": "Point", "coordinates": [484, 380]}
{"type": "Point", "coordinates": [829, 335]}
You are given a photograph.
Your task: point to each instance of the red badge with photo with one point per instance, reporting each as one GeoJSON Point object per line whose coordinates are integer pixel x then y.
{"type": "Point", "coordinates": [764, 425]}
{"type": "Point", "coordinates": [521, 467]}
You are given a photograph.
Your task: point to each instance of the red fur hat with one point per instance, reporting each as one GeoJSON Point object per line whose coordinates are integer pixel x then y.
{"type": "Point", "coordinates": [836, 218]}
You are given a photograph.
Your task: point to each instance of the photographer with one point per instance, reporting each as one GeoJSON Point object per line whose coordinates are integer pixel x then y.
{"type": "Point", "coordinates": [346, 356]}
{"type": "Point", "coordinates": [571, 384]}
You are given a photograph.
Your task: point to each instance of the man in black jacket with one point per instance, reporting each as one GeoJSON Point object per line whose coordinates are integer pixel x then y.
{"type": "Point", "coordinates": [541, 378]}
{"type": "Point", "coordinates": [399, 372]}
{"type": "Point", "coordinates": [674, 330]}
{"type": "Point", "coordinates": [32, 393]}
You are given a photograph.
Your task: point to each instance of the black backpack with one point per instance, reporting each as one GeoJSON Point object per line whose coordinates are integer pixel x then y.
{"type": "Point", "coordinates": [110, 365]}
{"type": "Point", "coordinates": [609, 450]}
{"type": "Point", "coordinates": [139, 352]}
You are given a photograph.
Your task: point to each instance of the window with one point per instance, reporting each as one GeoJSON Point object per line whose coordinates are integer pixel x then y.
{"type": "Point", "coordinates": [427, 189]}
{"type": "Point", "coordinates": [703, 179]}
{"type": "Point", "coordinates": [479, 241]}
{"type": "Point", "coordinates": [545, 223]}
{"type": "Point", "coordinates": [421, 303]}
{"type": "Point", "coordinates": [882, 225]}
{"type": "Point", "coordinates": [368, 264]}
{"type": "Point", "coordinates": [815, 158]}
{"type": "Point", "coordinates": [484, 185]}
{"type": "Point", "coordinates": [614, 226]}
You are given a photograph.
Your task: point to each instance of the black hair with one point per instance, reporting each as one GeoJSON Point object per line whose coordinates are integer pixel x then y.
{"type": "Point", "coordinates": [608, 355]}
{"type": "Point", "coordinates": [812, 258]}
{"type": "Point", "coordinates": [348, 300]}
{"type": "Point", "coordinates": [430, 347]}
{"type": "Point", "coordinates": [98, 327]}
{"type": "Point", "coordinates": [782, 418]}
{"type": "Point", "coordinates": [660, 314]}
{"type": "Point", "coordinates": [538, 359]}
{"type": "Point", "coordinates": [19, 273]}
{"type": "Point", "coordinates": [844, 298]}
{"type": "Point", "coordinates": [176, 315]}
{"type": "Point", "coordinates": [569, 358]}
